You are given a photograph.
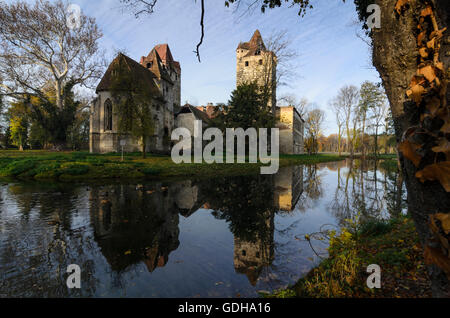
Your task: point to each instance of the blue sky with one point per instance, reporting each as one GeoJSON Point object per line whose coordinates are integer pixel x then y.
{"type": "Point", "coordinates": [330, 54]}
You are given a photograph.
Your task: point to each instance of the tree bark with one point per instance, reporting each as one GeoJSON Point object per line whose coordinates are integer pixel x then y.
{"type": "Point", "coordinates": [395, 55]}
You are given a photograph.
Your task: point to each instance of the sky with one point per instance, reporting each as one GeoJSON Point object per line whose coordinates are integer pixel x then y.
{"type": "Point", "coordinates": [330, 53]}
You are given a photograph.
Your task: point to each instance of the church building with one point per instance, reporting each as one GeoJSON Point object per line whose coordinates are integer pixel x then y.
{"type": "Point", "coordinates": [161, 75]}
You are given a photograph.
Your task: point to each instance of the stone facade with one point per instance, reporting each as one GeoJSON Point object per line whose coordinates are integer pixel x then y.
{"type": "Point", "coordinates": [256, 64]}
{"type": "Point", "coordinates": [291, 127]}
{"type": "Point", "coordinates": [163, 79]}
{"type": "Point", "coordinates": [288, 187]}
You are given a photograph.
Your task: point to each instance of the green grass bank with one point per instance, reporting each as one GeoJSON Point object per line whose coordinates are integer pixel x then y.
{"type": "Point", "coordinates": [69, 166]}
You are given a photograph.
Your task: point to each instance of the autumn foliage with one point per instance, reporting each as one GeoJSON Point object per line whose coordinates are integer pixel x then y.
{"type": "Point", "coordinates": [427, 145]}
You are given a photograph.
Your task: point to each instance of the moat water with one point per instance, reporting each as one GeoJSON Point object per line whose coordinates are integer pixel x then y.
{"type": "Point", "coordinates": [224, 237]}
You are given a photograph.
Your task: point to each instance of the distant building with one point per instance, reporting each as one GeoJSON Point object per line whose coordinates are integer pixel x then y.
{"type": "Point", "coordinates": [291, 126]}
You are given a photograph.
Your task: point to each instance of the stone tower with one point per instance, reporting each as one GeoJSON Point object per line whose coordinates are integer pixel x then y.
{"type": "Point", "coordinates": [161, 57]}
{"type": "Point", "coordinates": [251, 257]}
{"type": "Point", "coordinates": [256, 63]}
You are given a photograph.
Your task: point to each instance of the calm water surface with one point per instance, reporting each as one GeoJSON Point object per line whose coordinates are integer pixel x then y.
{"type": "Point", "coordinates": [226, 237]}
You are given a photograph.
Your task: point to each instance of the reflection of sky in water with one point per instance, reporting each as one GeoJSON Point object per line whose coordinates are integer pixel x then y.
{"type": "Point", "coordinates": [218, 238]}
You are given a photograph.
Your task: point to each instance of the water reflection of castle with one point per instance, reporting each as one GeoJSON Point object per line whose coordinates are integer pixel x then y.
{"type": "Point", "coordinates": [134, 224]}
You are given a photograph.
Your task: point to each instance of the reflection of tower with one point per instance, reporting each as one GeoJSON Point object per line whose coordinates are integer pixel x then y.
{"type": "Point", "coordinates": [288, 187]}
{"type": "Point", "coordinates": [250, 257]}
{"type": "Point", "coordinates": [187, 197]}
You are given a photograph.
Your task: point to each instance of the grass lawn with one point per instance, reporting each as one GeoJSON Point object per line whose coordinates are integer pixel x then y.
{"type": "Point", "coordinates": [68, 166]}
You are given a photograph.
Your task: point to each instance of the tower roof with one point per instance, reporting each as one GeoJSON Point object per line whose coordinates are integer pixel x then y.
{"type": "Point", "coordinates": [255, 43]}
{"type": "Point", "coordinates": [164, 52]}
{"type": "Point", "coordinates": [166, 56]}
{"type": "Point", "coordinates": [157, 65]}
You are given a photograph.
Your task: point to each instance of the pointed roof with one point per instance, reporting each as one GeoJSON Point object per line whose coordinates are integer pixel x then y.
{"type": "Point", "coordinates": [164, 52]}
{"type": "Point", "coordinates": [137, 71]}
{"type": "Point", "coordinates": [255, 43]}
{"type": "Point", "coordinates": [157, 65]}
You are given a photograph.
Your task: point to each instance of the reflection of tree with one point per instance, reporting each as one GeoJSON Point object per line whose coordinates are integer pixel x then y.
{"type": "Point", "coordinates": [312, 187]}
{"type": "Point", "coordinates": [243, 202]}
{"type": "Point", "coordinates": [313, 182]}
{"type": "Point", "coordinates": [394, 191]}
{"type": "Point", "coordinates": [246, 203]}
{"type": "Point", "coordinates": [365, 192]}
{"type": "Point", "coordinates": [41, 239]}
{"type": "Point", "coordinates": [133, 225]}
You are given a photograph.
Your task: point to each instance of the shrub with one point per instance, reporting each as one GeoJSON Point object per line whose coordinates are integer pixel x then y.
{"type": "Point", "coordinates": [375, 227]}
{"type": "Point", "coordinates": [74, 169]}
{"type": "Point", "coordinates": [151, 171]}
{"type": "Point", "coordinates": [16, 168]}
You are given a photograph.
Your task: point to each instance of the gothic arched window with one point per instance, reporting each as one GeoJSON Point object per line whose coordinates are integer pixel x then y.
{"type": "Point", "coordinates": [108, 115]}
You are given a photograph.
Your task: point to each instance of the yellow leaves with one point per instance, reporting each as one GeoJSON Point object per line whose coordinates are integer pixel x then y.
{"type": "Point", "coordinates": [401, 5]}
{"type": "Point", "coordinates": [438, 34]}
{"type": "Point", "coordinates": [446, 128]}
{"type": "Point", "coordinates": [431, 44]}
{"type": "Point", "coordinates": [426, 12]}
{"type": "Point", "coordinates": [423, 52]}
{"type": "Point", "coordinates": [443, 146]}
{"type": "Point", "coordinates": [428, 72]}
{"type": "Point", "coordinates": [408, 149]}
{"type": "Point", "coordinates": [415, 92]}
{"type": "Point", "coordinates": [435, 256]}
{"type": "Point", "coordinates": [444, 218]}
{"type": "Point", "coordinates": [436, 172]}
{"type": "Point", "coordinates": [439, 66]}
{"type": "Point", "coordinates": [440, 226]}
{"type": "Point", "coordinates": [422, 35]}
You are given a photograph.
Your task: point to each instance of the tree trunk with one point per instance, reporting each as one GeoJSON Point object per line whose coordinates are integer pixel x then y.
{"type": "Point", "coordinates": [362, 137]}
{"type": "Point", "coordinates": [144, 147]}
{"type": "Point", "coordinates": [376, 142]}
{"type": "Point", "coordinates": [395, 55]}
{"type": "Point", "coordinates": [59, 100]}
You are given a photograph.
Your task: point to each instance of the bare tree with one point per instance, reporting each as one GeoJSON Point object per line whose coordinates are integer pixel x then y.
{"type": "Point", "coordinates": [379, 113]}
{"type": "Point", "coordinates": [44, 46]}
{"type": "Point", "coordinates": [313, 125]}
{"type": "Point", "coordinates": [346, 102]}
{"type": "Point", "coordinates": [340, 120]}
{"type": "Point", "coordinates": [280, 43]}
{"type": "Point", "coordinates": [148, 6]}
{"type": "Point", "coordinates": [301, 105]}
